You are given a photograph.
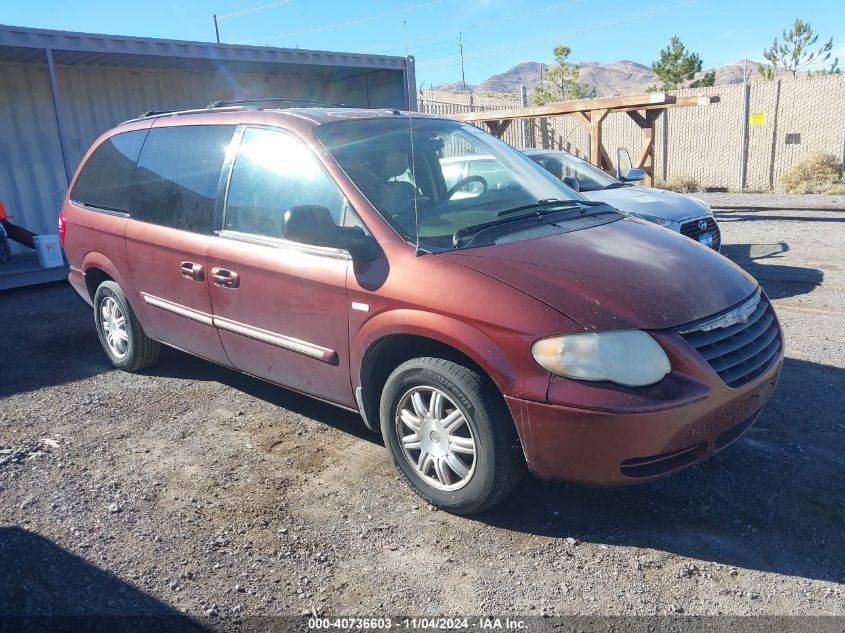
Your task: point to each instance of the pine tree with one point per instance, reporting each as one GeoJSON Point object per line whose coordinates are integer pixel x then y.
{"type": "Point", "coordinates": [796, 52]}
{"type": "Point", "coordinates": [678, 65]}
{"type": "Point", "coordinates": [561, 81]}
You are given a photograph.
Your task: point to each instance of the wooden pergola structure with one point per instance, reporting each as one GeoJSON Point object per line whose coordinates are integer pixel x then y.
{"type": "Point", "coordinates": [591, 113]}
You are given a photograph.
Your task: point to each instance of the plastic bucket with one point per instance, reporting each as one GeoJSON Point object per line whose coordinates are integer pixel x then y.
{"type": "Point", "coordinates": [49, 251]}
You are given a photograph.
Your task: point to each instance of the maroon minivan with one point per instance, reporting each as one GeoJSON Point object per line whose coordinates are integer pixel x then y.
{"type": "Point", "coordinates": [501, 322]}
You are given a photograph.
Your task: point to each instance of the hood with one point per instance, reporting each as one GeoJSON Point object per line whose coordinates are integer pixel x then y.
{"type": "Point", "coordinates": [637, 199]}
{"type": "Point", "coordinates": [628, 274]}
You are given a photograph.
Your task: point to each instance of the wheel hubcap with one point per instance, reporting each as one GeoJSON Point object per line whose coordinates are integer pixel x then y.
{"type": "Point", "coordinates": [436, 438]}
{"type": "Point", "coordinates": [114, 327]}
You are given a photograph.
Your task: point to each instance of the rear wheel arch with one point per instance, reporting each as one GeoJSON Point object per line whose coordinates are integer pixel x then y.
{"type": "Point", "coordinates": [97, 268]}
{"type": "Point", "coordinates": [93, 278]}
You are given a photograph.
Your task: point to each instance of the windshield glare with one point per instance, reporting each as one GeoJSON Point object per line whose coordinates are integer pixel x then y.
{"type": "Point", "coordinates": [453, 175]}
{"type": "Point", "coordinates": [561, 165]}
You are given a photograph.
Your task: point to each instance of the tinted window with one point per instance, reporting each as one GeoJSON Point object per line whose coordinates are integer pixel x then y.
{"type": "Point", "coordinates": [177, 176]}
{"type": "Point", "coordinates": [106, 178]}
{"type": "Point", "coordinates": [272, 173]}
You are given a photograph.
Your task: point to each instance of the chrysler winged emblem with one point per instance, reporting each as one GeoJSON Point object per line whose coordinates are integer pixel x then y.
{"type": "Point", "coordinates": [740, 314]}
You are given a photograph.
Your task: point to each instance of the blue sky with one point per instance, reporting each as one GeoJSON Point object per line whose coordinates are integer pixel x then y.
{"type": "Point", "coordinates": [497, 34]}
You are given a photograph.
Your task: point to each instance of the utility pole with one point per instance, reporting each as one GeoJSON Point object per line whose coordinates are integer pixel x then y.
{"type": "Point", "coordinates": [461, 49]}
{"type": "Point", "coordinates": [523, 124]}
{"type": "Point", "coordinates": [743, 139]}
{"type": "Point", "coordinates": [541, 76]}
{"type": "Point", "coordinates": [216, 30]}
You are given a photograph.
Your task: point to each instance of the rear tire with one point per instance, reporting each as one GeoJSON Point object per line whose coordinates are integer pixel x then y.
{"type": "Point", "coordinates": [450, 436]}
{"type": "Point", "coordinates": [120, 333]}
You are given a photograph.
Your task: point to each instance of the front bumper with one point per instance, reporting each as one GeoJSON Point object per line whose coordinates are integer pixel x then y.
{"type": "Point", "coordinates": [627, 441]}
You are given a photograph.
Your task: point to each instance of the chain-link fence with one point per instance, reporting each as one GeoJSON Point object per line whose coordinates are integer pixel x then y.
{"type": "Point", "coordinates": [786, 120]}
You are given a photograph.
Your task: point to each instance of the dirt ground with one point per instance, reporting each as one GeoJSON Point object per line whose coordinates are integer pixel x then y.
{"type": "Point", "coordinates": [193, 489]}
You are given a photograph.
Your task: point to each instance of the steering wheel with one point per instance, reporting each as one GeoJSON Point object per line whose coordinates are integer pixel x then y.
{"type": "Point", "coordinates": [466, 181]}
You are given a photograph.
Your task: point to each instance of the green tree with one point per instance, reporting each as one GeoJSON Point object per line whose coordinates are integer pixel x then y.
{"type": "Point", "coordinates": [678, 65]}
{"type": "Point", "coordinates": [561, 81]}
{"type": "Point", "coordinates": [706, 81]}
{"type": "Point", "coordinates": [797, 52]}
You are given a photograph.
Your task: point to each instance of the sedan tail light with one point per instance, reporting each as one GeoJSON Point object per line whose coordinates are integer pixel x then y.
{"type": "Point", "coordinates": [62, 227]}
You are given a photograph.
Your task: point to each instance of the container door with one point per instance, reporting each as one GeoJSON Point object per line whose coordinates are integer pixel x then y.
{"type": "Point", "coordinates": [170, 230]}
{"type": "Point", "coordinates": [281, 308]}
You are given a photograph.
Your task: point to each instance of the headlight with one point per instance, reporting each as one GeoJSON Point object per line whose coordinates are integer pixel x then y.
{"type": "Point", "coordinates": [669, 224]}
{"type": "Point", "coordinates": [631, 358]}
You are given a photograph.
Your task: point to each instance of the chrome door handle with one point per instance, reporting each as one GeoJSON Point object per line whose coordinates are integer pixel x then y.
{"type": "Point", "coordinates": [190, 270]}
{"type": "Point", "coordinates": [225, 278]}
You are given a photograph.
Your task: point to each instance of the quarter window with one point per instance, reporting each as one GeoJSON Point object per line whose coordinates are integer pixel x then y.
{"type": "Point", "coordinates": [272, 173]}
{"type": "Point", "coordinates": [106, 178]}
{"type": "Point", "coordinates": [178, 174]}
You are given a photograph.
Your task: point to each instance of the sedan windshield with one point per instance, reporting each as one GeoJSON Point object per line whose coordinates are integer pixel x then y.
{"type": "Point", "coordinates": [439, 178]}
{"type": "Point", "coordinates": [588, 177]}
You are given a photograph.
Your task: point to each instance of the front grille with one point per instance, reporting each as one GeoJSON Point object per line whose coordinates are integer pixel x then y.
{"type": "Point", "coordinates": [738, 352]}
{"type": "Point", "coordinates": [692, 230]}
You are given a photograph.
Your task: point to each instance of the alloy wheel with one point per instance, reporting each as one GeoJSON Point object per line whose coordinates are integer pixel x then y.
{"type": "Point", "coordinates": [114, 327]}
{"type": "Point", "coordinates": [436, 438]}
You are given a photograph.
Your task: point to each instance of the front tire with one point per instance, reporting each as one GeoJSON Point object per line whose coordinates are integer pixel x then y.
{"type": "Point", "coordinates": [120, 333]}
{"type": "Point", "coordinates": [450, 436]}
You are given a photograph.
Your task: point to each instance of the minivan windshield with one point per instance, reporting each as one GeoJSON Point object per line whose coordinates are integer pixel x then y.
{"type": "Point", "coordinates": [445, 177]}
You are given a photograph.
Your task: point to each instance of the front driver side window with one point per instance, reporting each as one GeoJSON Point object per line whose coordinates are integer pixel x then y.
{"type": "Point", "coordinates": [273, 172]}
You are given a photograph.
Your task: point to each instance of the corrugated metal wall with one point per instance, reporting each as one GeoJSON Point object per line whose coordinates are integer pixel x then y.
{"type": "Point", "coordinates": [95, 98]}
{"type": "Point", "coordinates": [32, 176]}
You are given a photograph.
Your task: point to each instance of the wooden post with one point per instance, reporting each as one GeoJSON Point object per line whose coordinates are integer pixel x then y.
{"type": "Point", "coordinates": [645, 157]}
{"type": "Point", "coordinates": [596, 149]}
{"type": "Point", "coordinates": [497, 128]}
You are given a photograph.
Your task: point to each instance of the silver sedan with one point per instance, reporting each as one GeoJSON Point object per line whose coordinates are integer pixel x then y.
{"type": "Point", "coordinates": [680, 213]}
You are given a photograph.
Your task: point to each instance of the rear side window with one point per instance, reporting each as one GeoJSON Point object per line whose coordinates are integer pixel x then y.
{"type": "Point", "coordinates": [272, 173]}
{"type": "Point", "coordinates": [105, 180]}
{"type": "Point", "coordinates": [177, 176]}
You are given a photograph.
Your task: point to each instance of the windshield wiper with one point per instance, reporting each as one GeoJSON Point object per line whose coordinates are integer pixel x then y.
{"type": "Point", "coordinates": [616, 185]}
{"type": "Point", "coordinates": [540, 205]}
{"type": "Point", "coordinates": [539, 208]}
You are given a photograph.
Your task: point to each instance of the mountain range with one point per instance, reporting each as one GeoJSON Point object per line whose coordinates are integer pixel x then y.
{"type": "Point", "coordinates": [620, 78]}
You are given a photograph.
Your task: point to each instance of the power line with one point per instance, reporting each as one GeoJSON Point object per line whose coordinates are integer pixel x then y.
{"type": "Point", "coordinates": [252, 10]}
{"type": "Point", "coordinates": [346, 23]}
{"type": "Point", "coordinates": [436, 34]}
{"type": "Point", "coordinates": [435, 62]}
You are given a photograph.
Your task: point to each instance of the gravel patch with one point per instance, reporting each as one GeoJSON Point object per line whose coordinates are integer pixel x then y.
{"type": "Point", "coordinates": [194, 490]}
{"type": "Point", "coordinates": [772, 201]}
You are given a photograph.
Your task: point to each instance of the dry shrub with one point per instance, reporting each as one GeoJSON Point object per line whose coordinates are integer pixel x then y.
{"type": "Point", "coordinates": [818, 172]}
{"type": "Point", "coordinates": [679, 184]}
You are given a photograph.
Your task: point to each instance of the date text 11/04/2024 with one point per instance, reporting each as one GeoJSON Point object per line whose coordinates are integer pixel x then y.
{"type": "Point", "coordinates": [422, 623]}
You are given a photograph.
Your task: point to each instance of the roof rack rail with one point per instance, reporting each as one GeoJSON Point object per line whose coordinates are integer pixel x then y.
{"type": "Point", "coordinates": [163, 113]}
{"type": "Point", "coordinates": [223, 104]}
{"type": "Point", "coordinates": [238, 104]}
{"type": "Point", "coordinates": [150, 113]}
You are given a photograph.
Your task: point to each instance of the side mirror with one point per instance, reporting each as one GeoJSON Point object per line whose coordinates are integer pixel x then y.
{"type": "Point", "coordinates": [623, 162]}
{"type": "Point", "coordinates": [313, 224]}
{"type": "Point", "coordinates": [634, 174]}
{"type": "Point", "coordinates": [571, 182]}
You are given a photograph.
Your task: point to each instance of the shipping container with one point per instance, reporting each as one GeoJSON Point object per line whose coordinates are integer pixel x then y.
{"type": "Point", "coordinates": [60, 90]}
